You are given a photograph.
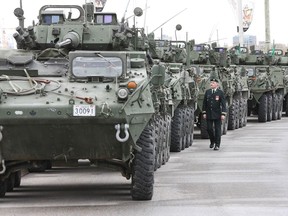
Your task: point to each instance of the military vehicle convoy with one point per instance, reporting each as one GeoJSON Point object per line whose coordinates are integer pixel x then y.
{"type": "Point", "coordinates": [74, 90]}
{"type": "Point", "coordinates": [182, 88]}
{"type": "Point", "coordinates": [280, 59]}
{"type": "Point", "coordinates": [266, 83]}
{"type": "Point", "coordinates": [88, 88]}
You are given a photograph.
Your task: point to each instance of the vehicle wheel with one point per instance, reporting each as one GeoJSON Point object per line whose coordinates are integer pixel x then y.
{"type": "Point", "coordinates": [285, 105]}
{"type": "Point", "coordinates": [280, 105]}
{"type": "Point", "coordinates": [18, 177]}
{"type": "Point", "coordinates": [40, 166]}
{"type": "Point", "coordinates": [232, 116]}
{"type": "Point", "coordinates": [167, 136]}
{"type": "Point", "coordinates": [183, 145]}
{"type": "Point", "coordinates": [275, 106]}
{"type": "Point", "coordinates": [249, 107]}
{"type": "Point", "coordinates": [187, 127]}
{"type": "Point", "coordinates": [245, 114]}
{"type": "Point", "coordinates": [10, 182]}
{"type": "Point", "coordinates": [262, 109]}
{"type": "Point", "coordinates": [159, 141]}
{"type": "Point", "coordinates": [191, 125]}
{"type": "Point", "coordinates": [238, 110]}
{"type": "Point", "coordinates": [225, 125]}
{"type": "Point", "coordinates": [176, 131]}
{"type": "Point", "coordinates": [143, 166]}
{"type": "Point", "coordinates": [269, 106]}
{"type": "Point", "coordinates": [3, 188]}
{"type": "Point", "coordinates": [241, 112]}
{"type": "Point", "coordinates": [204, 132]}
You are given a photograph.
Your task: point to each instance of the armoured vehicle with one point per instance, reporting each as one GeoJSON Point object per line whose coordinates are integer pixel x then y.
{"type": "Point", "coordinates": [73, 90]}
{"type": "Point", "coordinates": [280, 59]}
{"type": "Point", "coordinates": [182, 87]}
{"type": "Point", "coordinates": [266, 83]}
{"type": "Point", "coordinates": [215, 62]}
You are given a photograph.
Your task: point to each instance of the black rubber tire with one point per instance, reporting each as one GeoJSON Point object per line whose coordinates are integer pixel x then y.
{"type": "Point", "coordinates": [280, 105]}
{"type": "Point", "coordinates": [184, 128]}
{"type": "Point", "coordinates": [191, 126]}
{"type": "Point", "coordinates": [275, 106]}
{"type": "Point", "coordinates": [18, 177]}
{"type": "Point", "coordinates": [41, 166]}
{"type": "Point", "coordinates": [10, 182]}
{"type": "Point", "coordinates": [167, 137]}
{"type": "Point", "coordinates": [262, 109]}
{"type": "Point", "coordinates": [240, 113]}
{"type": "Point", "coordinates": [159, 141]}
{"type": "Point", "coordinates": [204, 132]}
{"type": "Point", "coordinates": [143, 166]}
{"type": "Point", "coordinates": [225, 125]}
{"type": "Point", "coordinates": [176, 131]}
{"type": "Point", "coordinates": [187, 127]}
{"type": "Point", "coordinates": [245, 112]}
{"type": "Point", "coordinates": [232, 116]}
{"type": "Point", "coordinates": [3, 188]}
{"type": "Point", "coordinates": [269, 106]}
{"type": "Point", "coordinates": [285, 104]}
{"type": "Point", "coordinates": [249, 107]}
{"type": "Point", "coordinates": [237, 109]}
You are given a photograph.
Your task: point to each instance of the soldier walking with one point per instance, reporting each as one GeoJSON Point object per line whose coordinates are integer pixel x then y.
{"type": "Point", "coordinates": [214, 111]}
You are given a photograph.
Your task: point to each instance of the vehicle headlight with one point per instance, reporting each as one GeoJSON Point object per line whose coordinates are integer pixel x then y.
{"type": "Point", "coordinates": [122, 93]}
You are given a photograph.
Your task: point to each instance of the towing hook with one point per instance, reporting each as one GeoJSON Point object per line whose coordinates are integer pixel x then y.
{"type": "Point", "coordinates": [118, 128]}
{"type": "Point", "coordinates": [3, 167]}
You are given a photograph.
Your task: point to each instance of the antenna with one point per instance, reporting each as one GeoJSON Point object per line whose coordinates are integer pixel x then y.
{"type": "Point", "coordinates": [126, 10]}
{"type": "Point", "coordinates": [145, 14]}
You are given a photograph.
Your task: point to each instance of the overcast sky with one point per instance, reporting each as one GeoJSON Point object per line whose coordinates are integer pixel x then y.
{"type": "Point", "coordinates": [199, 20]}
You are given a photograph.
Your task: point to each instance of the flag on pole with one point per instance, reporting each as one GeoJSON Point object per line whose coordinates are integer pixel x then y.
{"type": "Point", "coordinates": [248, 8]}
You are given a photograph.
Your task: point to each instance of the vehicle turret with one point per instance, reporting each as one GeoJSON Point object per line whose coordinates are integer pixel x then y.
{"type": "Point", "coordinates": [88, 30]}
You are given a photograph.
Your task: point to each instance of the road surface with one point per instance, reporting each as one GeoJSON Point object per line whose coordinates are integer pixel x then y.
{"type": "Point", "coordinates": [248, 176]}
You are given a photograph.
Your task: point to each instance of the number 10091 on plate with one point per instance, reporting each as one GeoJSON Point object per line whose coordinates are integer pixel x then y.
{"type": "Point", "coordinates": [84, 110]}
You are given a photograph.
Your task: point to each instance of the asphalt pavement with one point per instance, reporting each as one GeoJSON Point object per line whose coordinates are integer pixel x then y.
{"type": "Point", "coordinates": [247, 176]}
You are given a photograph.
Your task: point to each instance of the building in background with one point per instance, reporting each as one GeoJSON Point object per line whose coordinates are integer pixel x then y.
{"type": "Point", "coordinates": [249, 40]}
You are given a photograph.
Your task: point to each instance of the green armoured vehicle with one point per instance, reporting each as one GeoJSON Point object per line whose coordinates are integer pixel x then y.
{"type": "Point", "coordinates": [72, 91]}
{"type": "Point", "coordinates": [266, 83]}
{"type": "Point", "coordinates": [184, 94]}
{"type": "Point", "coordinates": [280, 59]}
{"type": "Point", "coordinates": [215, 62]}
{"type": "Point", "coordinates": [180, 80]}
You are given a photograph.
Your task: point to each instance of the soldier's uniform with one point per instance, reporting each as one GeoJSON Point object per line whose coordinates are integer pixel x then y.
{"type": "Point", "coordinates": [214, 106]}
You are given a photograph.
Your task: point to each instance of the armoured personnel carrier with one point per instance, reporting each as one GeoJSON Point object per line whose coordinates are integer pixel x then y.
{"type": "Point", "coordinates": [72, 91]}
{"type": "Point", "coordinates": [182, 87]}
{"type": "Point", "coordinates": [280, 59]}
{"type": "Point", "coordinates": [215, 62]}
{"type": "Point", "coordinates": [266, 83]}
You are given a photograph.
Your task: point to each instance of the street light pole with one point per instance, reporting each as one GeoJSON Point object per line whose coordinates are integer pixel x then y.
{"type": "Point", "coordinates": [267, 26]}
{"type": "Point", "coordinates": [240, 20]}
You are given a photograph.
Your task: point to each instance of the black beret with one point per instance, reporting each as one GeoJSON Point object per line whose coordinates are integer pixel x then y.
{"type": "Point", "coordinates": [214, 79]}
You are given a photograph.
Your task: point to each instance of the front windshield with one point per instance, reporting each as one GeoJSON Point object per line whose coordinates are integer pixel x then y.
{"type": "Point", "coordinates": [97, 66]}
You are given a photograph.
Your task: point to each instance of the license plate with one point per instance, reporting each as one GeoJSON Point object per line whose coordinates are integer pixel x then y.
{"type": "Point", "coordinates": [84, 110]}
